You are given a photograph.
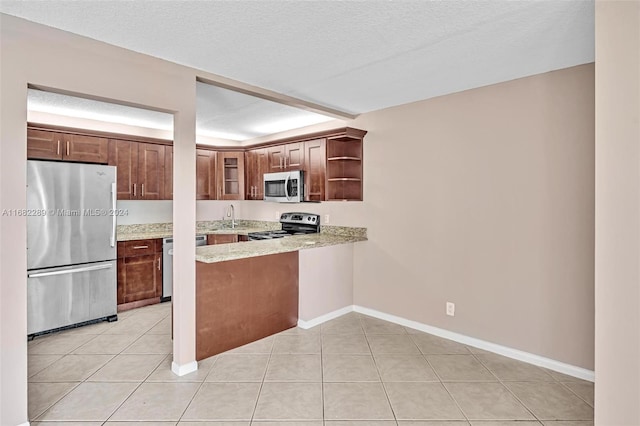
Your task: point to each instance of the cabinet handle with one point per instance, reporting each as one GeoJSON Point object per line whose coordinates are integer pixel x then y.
{"type": "Point", "coordinates": [281, 163]}
{"type": "Point", "coordinates": [142, 190]}
{"type": "Point", "coordinates": [253, 191]}
{"type": "Point", "coordinates": [67, 148]}
{"type": "Point", "coordinates": [134, 190]}
{"type": "Point", "coordinates": [140, 247]}
{"type": "Point", "coordinates": [58, 150]}
{"type": "Point", "coordinates": [158, 264]}
{"type": "Point", "coordinates": [306, 194]}
{"type": "Point", "coordinates": [285, 162]}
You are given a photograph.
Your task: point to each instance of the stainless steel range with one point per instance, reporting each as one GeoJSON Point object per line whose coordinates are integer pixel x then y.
{"type": "Point", "coordinates": [292, 224]}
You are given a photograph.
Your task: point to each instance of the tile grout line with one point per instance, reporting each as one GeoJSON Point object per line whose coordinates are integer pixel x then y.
{"type": "Point", "coordinates": [506, 387]}
{"type": "Point", "coordinates": [566, 386]}
{"type": "Point", "coordinates": [71, 352]}
{"type": "Point", "coordinates": [197, 390]}
{"type": "Point", "coordinates": [384, 388]}
{"type": "Point", "coordinates": [321, 373]}
{"type": "Point", "coordinates": [442, 383]}
{"type": "Point", "coordinates": [255, 406]}
{"type": "Point", "coordinates": [62, 357]}
{"type": "Point", "coordinates": [139, 384]}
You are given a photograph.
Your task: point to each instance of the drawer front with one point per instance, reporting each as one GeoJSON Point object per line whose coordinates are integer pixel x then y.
{"type": "Point", "coordinates": [139, 247]}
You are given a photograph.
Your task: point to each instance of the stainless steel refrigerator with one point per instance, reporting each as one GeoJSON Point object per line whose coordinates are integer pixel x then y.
{"type": "Point", "coordinates": [71, 244]}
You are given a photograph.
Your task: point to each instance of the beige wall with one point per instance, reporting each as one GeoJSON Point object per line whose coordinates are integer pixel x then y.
{"type": "Point", "coordinates": [498, 181]}
{"type": "Point", "coordinates": [484, 198]}
{"type": "Point", "coordinates": [325, 280]}
{"type": "Point", "coordinates": [49, 58]}
{"type": "Point", "coordinates": [617, 261]}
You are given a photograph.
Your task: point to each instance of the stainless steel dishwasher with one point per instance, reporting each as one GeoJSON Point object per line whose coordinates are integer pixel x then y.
{"type": "Point", "coordinates": [167, 265]}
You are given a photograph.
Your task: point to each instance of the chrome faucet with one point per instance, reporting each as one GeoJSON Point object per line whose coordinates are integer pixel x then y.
{"type": "Point", "coordinates": [232, 212]}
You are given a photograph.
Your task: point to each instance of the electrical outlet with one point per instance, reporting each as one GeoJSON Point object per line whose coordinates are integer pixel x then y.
{"type": "Point", "coordinates": [277, 215]}
{"type": "Point", "coordinates": [326, 219]}
{"type": "Point", "coordinates": [451, 309]}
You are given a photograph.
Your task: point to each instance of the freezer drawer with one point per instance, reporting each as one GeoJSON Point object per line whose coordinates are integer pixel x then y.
{"type": "Point", "coordinates": [59, 297]}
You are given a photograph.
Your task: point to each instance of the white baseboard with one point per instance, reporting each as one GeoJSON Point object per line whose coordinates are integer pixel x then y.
{"type": "Point", "coordinates": [324, 318]}
{"type": "Point", "coordinates": [24, 424]}
{"type": "Point", "coordinates": [181, 370]}
{"type": "Point", "coordinates": [540, 361]}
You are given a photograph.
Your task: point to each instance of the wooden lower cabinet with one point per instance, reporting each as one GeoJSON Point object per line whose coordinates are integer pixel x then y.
{"type": "Point", "coordinates": [221, 239]}
{"type": "Point", "coordinates": [241, 301]}
{"type": "Point", "coordinates": [139, 273]}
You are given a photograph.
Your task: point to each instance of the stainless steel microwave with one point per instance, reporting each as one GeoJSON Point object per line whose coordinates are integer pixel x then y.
{"type": "Point", "coordinates": [284, 187]}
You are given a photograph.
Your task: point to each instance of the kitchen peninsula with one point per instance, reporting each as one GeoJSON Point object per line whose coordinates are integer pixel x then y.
{"type": "Point", "coordinates": [249, 290]}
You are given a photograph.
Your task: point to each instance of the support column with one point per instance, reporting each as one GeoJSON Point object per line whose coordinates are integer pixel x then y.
{"type": "Point", "coordinates": [184, 228]}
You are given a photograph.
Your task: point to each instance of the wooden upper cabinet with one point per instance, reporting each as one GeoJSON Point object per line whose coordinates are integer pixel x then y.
{"type": "Point", "coordinates": [47, 145]}
{"type": "Point", "coordinates": [256, 165]}
{"type": "Point", "coordinates": [141, 169]}
{"type": "Point", "coordinates": [230, 176]}
{"type": "Point", "coordinates": [276, 155]}
{"type": "Point", "coordinates": [294, 156]}
{"type": "Point", "coordinates": [205, 174]}
{"type": "Point", "coordinates": [286, 157]}
{"type": "Point", "coordinates": [87, 149]}
{"type": "Point", "coordinates": [168, 172]}
{"type": "Point", "coordinates": [151, 171]}
{"type": "Point", "coordinates": [44, 145]}
{"type": "Point", "coordinates": [314, 170]}
{"type": "Point", "coordinates": [124, 155]}
{"type": "Point", "coordinates": [344, 168]}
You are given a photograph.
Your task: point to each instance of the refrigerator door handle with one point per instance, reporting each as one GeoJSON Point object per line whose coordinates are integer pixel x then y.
{"type": "Point", "coordinates": [113, 212]}
{"type": "Point", "coordinates": [69, 271]}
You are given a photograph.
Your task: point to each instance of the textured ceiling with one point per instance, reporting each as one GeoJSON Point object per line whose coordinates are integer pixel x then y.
{"type": "Point", "coordinates": [352, 56]}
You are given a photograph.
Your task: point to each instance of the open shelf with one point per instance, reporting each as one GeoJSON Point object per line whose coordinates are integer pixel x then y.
{"type": "Point", "coordinates": [344, 169]}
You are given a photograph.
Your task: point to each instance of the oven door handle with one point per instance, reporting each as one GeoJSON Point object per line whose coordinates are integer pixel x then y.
{"type": "Point", "coordinates": [286, 186]}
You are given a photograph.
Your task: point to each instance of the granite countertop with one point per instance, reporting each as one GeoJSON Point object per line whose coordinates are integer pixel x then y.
{"type": "Point", "coordinates": [243, 227]}
{"type": "Point", "coordinates": [144, 235]}
{"type": "Point", "coordinates": [165, 230]}
{"type": "Point", "coordinates": [223, 252]}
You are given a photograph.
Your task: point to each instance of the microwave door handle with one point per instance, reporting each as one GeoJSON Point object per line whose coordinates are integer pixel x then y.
{"type": "Point", "coordinates": [286, 186]}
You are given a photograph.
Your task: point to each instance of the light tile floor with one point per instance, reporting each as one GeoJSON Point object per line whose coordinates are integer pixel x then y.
{"type": "Point", "coordinates": [352, 371]}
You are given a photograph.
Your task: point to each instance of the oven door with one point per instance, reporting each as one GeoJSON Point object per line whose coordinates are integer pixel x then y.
{"type": "Point", "coordinates": [283, 187]}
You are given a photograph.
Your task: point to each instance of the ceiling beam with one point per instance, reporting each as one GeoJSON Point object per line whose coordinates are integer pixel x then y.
{"type": "Point", "coordinates": [270, 95]}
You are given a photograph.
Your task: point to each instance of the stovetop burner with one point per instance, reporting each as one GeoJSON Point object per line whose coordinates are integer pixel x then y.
{"type": "Point", "coordinates": [292, 224]}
